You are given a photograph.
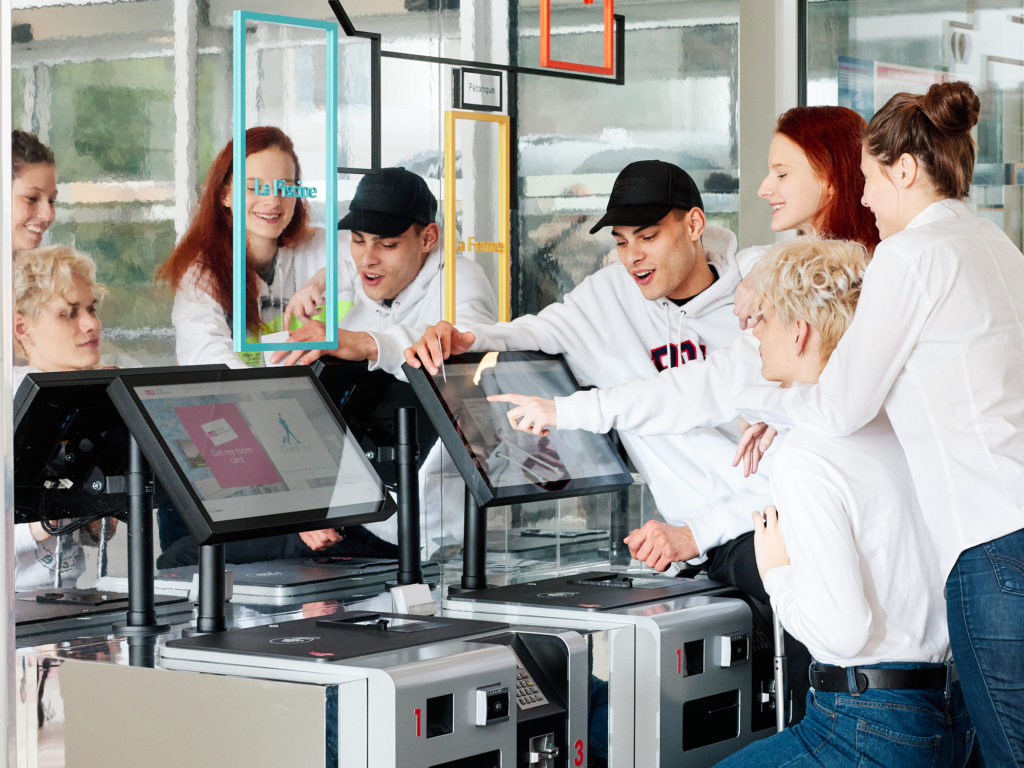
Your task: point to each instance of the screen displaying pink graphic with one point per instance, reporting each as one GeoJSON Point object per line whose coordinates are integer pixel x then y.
{"type": "Point", "coordinates": [230, 449]}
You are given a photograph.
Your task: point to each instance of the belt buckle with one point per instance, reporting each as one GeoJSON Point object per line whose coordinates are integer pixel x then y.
{"type": "Point", "coordinates": [861, 679]}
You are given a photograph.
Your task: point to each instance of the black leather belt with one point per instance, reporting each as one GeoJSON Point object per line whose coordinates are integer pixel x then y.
{"type": "Point", "coordinates": [834, 679]}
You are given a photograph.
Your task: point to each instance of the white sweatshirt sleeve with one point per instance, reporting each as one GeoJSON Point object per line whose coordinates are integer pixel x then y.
{"type": "Point", "coordinates": [474, 303]}
{"type": "Point", "coordinates": [559, 328]}
{"type": "Point", "coordinates": [201, 331]}
{"type": "Point", "coordinates": [890, 316]}
{"type": "Point", "coordinates": [24, 541]}
{"type": "Point", "coordinates": [673, 401]}
{"type": "Point", "coordinates": [729, 517]}
{"type": "Point", "coordinates": [820, 596]}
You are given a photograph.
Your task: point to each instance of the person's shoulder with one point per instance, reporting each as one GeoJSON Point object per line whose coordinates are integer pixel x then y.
{"type": "Point", "coordinates": [311, 242]}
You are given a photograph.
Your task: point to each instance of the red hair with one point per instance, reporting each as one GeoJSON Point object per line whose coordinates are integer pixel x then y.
{"type": "Point", "coordinates": [831, 138]}
{"type": "Point", "coordinates": [208, 239]}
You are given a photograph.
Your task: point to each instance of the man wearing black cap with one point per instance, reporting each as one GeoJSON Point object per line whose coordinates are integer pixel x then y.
{"type": "Point", "coordinates": [394, 277]}
{"type": "Point", "coordinates": [665, 305]}
{"type": "Point", "coordinates": [395, 282]}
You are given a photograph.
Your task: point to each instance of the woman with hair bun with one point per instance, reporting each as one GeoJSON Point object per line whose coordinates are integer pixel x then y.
{"type": "Point", "coordinates": [938, 342]}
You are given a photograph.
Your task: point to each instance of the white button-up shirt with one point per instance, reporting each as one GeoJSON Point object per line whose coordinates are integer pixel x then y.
{"type": "Point", "coordinates": [938, 340]}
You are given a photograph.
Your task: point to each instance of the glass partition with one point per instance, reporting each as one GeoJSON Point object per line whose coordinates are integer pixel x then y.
{"type": "Point", "coordinates": [863, 51]}
{"type": "Point", "coordinates": [135, 99]}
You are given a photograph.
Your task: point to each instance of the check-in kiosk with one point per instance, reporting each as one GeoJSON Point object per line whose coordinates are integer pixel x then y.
{"type": "Point", "coordinates": [677, 678]}
{"type": "Point", "coordinates": [419, 691]}
{"type": "Point", "coordinates": [246, 452]}
{"type": "Point", "coordinates": [72, 466]}
{"type": "Point", "coordinates": [249, 453]}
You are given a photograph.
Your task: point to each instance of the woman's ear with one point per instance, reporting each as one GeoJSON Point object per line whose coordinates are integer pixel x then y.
{"type": "Point", "coordinates": [906, 170]}
{"type": "Point", "coordinates": [801, 336]}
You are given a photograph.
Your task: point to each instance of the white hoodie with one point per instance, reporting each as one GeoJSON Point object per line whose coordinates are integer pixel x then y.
{"type": "Point", "coordinates": [421, 303]}
{"type": "Point", "coordinates": [610, 335]}
{"type": "Point", "coordinates": [202, 331]}
{"type": "Point", "coordinates": [395, 327]}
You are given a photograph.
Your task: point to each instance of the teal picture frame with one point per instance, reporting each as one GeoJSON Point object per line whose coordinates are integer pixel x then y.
{"type": "Point", "coordinates": [330, 29]}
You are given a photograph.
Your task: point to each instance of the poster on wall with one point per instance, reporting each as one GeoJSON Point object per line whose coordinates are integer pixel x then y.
{"type": "Point", "coordinates": [865, 85]}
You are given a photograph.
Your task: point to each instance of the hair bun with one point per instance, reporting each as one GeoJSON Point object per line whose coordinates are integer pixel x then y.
{"type": "Point", "coordinates": [952, 108]}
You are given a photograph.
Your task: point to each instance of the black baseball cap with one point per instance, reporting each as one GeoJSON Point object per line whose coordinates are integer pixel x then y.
{"type": "Point", "coordinates": [645, 191]}
{"type": "Point", "coordinates": [388, 202]}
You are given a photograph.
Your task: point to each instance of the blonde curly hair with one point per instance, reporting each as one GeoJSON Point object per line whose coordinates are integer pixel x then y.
{"type": "Point", "coordinates": [44, 274]}
{"type": "Point", "coordinates": [814, 280]}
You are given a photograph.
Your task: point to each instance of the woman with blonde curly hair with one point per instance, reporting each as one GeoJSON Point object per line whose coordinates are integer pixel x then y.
{"type": "Point", "coordinates": [845, 553]}
{"type": "Point", "coordinates": [56, 328]}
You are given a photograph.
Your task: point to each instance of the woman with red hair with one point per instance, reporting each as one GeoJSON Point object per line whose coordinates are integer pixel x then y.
{"type": "Point", "coordinates": [281, 252]}
{"type": "Point", "coordinates": [814, 184]}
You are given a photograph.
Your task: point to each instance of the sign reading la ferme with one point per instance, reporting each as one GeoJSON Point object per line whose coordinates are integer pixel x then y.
{"type": "Point", "coordinates": [282, 188]}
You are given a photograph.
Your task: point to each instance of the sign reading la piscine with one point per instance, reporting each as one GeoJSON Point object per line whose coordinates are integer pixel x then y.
{"type": "Point", "coordinates": [282, 188]}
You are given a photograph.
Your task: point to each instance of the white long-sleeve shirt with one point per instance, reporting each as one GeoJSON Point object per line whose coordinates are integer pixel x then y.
{"type": "Point", "coordinates": [421, 303]}
{"type": "Point", "coordinates": [202, 332]}
{"type": "Point", "coordinates": [702, 395]}
{"type": "Point", "coordinates": [395, 327]}
{"type": "Point", "coordinates": [862, 586]}
{"type": "Point", "coordinates": [610, 334]}
{"type": "Point", "coordinates": [938, 340]}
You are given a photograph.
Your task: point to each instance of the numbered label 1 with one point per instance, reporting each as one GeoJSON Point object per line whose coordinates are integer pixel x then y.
{"type": "Point", "coordinates": [577, 749]}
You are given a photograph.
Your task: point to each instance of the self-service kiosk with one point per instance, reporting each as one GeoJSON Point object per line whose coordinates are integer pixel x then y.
{"type": "Point", "coordinates": [680, 681]}
{"type": "Point", "coordinates": [72, 466]}
{"type": "Point", "coordinates": [407, 691]}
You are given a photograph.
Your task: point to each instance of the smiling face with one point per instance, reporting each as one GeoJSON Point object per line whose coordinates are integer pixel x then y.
{"type": "Point", "coordinates": [387, 265]}
{"type": "Point", "coordinates": [33, 193]}
{"type": "Point", "coordinates": [65, 335]}
{"type": "Point", "coordinates": [266, 216]}
{"type": "Point", "coordinates": [666, 258]}
{"type": "Point", "coordinates": [795, 192]}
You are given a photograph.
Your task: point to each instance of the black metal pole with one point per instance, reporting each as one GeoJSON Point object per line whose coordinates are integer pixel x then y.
{"type": "Point", "coordinates": [618, 552]}
{"type": "Point", "coordinates": [409, 571]}
{"type": "Point", "coordinates": [211, 589]}
{"type": "Point", "coordinates": [141, 610]}
{"type": "Point", "coordinates": [474, 545]}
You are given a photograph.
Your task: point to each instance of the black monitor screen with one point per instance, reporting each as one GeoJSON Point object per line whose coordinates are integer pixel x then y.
{"type": "Point", "coordinates": [500, 464]}
{"type": "Point", "coordinates": [367, 401]}
{"type": "Point", "coordinates": [69, 442]}
{"type": "Point", "coordinates": [250, 453]}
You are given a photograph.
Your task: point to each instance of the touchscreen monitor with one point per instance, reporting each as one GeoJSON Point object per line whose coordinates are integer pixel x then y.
{"type": "Point", "coordinates": [250, 453]}
{"type": "Point", "coordinates": [367, 401]}
{"type": "Point", "coordinates": [500, 464]}
{"type": "Point", "coordinates": [69, 440]}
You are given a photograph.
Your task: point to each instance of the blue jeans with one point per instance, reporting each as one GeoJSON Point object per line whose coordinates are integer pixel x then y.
{"type": "Point", "coordinates": [985, 612]}
{"type": "Point", "coordinates": [879, 728]}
